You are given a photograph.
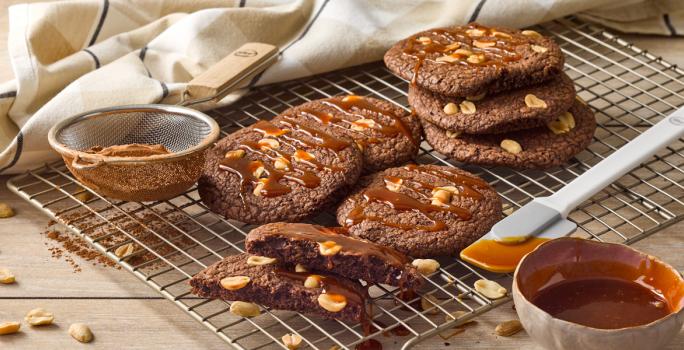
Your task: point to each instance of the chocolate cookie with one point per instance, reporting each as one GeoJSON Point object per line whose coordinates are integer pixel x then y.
{"type": "Point", "coordinates": [421, 210]}
{"type": "Point", "coordinates": [473, 59]}
{"type": "Point", "coordinates": [387, 134]}
{"type": "Point", "coordinates": [277, 171]}
{"type": "Point", "coordinates": [541, 147]}
{"type": "Point", "coordinates": [524, 108]}
{"type": "Point", "coordinates": [278, 288]}
{"type": "Point", "coordinates": [333, 250]}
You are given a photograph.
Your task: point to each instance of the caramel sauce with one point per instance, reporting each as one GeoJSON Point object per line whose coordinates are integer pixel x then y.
{"type": "Point", "coordinates": [323, 234]}
{"type": "Point", "coordinates": [347, 105]}
{"type": "Point", "coordinates": [271, 185]}
{"type": "Point", "coordinates": [441, 44]}
{"type": "Point", "coordinates": [499, 257]}
{"type": "Point", "coordinates": [404, 202]}
{"type": "Point", "coordinates": [605, 303]}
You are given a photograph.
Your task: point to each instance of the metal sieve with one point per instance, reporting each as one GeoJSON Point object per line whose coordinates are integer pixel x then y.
{"type": "Point", "coordinates": [183, 131]}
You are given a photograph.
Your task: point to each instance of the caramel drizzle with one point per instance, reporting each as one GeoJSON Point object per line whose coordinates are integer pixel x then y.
{"type": "Point", "coordinates": [322, 234]}
{"type": "Point", "coordinates": [245, 168]}
{"type": "Point", "coordinates": [403, 202]}
{"type": "Point", "coordinates": [501, 52]}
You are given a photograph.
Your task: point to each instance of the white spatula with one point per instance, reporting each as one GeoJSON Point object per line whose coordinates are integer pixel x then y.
{"type": "Point", "coordinates": [545, 217]}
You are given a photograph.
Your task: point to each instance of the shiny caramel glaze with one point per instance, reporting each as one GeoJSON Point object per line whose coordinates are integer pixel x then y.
{"type": "Point", "coordinates": [420, 201]}
{"type": "Point", "coordinates": [354, 245]}
{"type": "Point", "coordinates": [573, 266]}
{"type": "Point", "coordinates": [290, 140]}
{"type": "Point", "coordinates": [499, 257]}
{"type": "Point", "coordinates": [605, 303]}
{"type": "Point", "coordinates": [448, 41]}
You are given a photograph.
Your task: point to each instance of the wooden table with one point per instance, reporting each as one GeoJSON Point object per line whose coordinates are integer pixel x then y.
{"type": "Point", "coordinates": [125, 313]}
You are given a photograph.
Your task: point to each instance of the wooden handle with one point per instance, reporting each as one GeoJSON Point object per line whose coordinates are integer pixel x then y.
{"type": "Point", "coordinates": [225, 75]}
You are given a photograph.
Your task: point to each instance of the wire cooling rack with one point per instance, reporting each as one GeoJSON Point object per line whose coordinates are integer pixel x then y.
{"type": "Point", "coordinates": [629, 89]}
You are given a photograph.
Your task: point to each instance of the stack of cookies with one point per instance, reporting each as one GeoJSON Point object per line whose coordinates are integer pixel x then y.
{"type": "Point", "coordinates": [493, 96]}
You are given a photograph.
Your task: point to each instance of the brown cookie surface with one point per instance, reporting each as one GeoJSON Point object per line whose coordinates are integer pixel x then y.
{"type": "Point", "coordinates": [273, 286]}
{"type": "Point", "coordinates": [473, 59]}
{"type": "Point", "coordinates": [541, 147]}
{"type": "Point", "coordinates": [498, 113]}
{"type": "Point", "coordinates": [277, 171]}
{"type": "Point", "coordinates": [421, 210]}
{"type": "Point", "coordinates": [387, 134]}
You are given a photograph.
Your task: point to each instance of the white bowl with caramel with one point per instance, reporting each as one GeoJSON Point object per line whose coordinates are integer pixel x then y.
{"type": "Point", "coordinates": [572, 293]}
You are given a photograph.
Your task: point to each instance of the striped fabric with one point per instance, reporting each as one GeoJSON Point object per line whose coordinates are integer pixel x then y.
{"type": "Point", "coordinates": [73, 56]}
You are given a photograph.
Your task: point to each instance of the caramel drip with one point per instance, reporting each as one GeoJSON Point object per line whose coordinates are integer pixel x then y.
{"type": "Point", "coordinates": [501, 52]}
{"type": "Point", "coordinates": [271, 186]}
{"type": "Point", "coordinates": [328, 283]}
{"type": "Point", "coordinates": [347, 104]}
{"type": "Point", "coordinates": [322, 234]}
{"type": "Point", "coordinates": [403, 202]}
{"type": "Point", "coordinates": [324, 139]}
{"type": "Point", "coordinates": [329, 119]}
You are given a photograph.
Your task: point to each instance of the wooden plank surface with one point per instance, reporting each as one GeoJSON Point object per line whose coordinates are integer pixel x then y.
{"type": "Point", "coordinates": [126, 314]}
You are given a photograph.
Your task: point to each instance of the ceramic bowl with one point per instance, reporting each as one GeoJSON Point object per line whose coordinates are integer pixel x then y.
{"type": "Point", "coordinates": [569, 258]}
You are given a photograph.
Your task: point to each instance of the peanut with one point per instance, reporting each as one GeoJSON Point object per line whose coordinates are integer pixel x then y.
{"type": "Point", "coordinates": [329, 248]}
{"type": "Point", "coordinates": [244, 309]}
{"type": "Point", "coordinates": [235, 154]}
{"type": "Point", "coordinates": [531, 33]}
{"type": "Point", "coordinates": [539, 49]}
{"type": "Point", "coordinates": [447, 58]}
{"type": "Point", "coordinates": [9, 327]}
{"type": "Point", "coordinates": [394, 186]}
{"type": "Point", "coordinates": [450, 108]}
{"type": "Point", "coordinates": [511, 146]}
{"type": "Point", "coordinates": [84, 196]}
{"type": "Point", "coordinates": [81, 332]}
{"type": "Point", "coordinates": [256, 260]}
{"type": "Point", "coordinates": [313, 281]}
{"type": "Point", "coordinates": [428, 303]}
{"type": "Point", "coordinates": [475, 32]}
{"type": "Point", "coordinates": [300, 268]}
{"type": "Point", "coordinates": [483, 44]}
{"type": "Point", "coordinates": [508, 328]}
{"type": "Point", "coordinates": [453, 134]}
{"type": "Point", "coordinates": [362, 124]}
{"type": "Point", "coordinates": [501, 35]}
{"type": "Point", "coordinates": [281, 163]}
{"type": "Point", "coordinates": [467, 107]}
{"type": "Point", "coordinates": [258, 172]}
{"type": "Point", "coordinates": [6, 276]}
{"type": "Point", "coordinates": [39, 317]}
{"type": "Point", "coordinates": [125, 250]}
{"type": "Point", "coordinates": [490, 289]}
{"type": "Point", "coordinates": [424, 40]}
{"type": "Point", "coordinates": [6, 211]}
{"type": "Point", "coordinates": [266, 144]}
{"type": "Point", "coordinates": [292, 341]}
{"type": "Point", "coordinates": [477, 58]}
{"type": "Point", "coordinates": [463, 52]}
{"type": "Point", "coordinates": [332, 302]}
{"type": "Point", "coordinates": [440, 197]}
{"type": "Point", "coordinates": [303, 156]}
{"type": "Point", "coordinates": [425, 266]}
{"type": "Point", "coordinates": [534, 101]}
{"type": "Point", "coordinates": [234, 282]}
{"type": "Point", "coordinates": [259, 187]}
{"type": "Point", "coordinates": [453, 46]}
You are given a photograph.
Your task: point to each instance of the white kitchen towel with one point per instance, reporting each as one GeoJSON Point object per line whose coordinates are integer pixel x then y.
{"type": "Point", "coordinates": [73, 56]}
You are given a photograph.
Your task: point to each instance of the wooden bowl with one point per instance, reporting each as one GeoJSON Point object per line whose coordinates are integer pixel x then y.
{"type": "Point", "coordinates": [574, 258]}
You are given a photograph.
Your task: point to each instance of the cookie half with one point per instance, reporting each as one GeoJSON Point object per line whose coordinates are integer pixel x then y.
{"type": "Point", "coordinates": [524, 108]}
{"type": "Point", "coordinates": [474, 59]}
{"type": "Point", "coordinates": [273, 286]}
{"type": "Point", "coordinates": [277, 171]}
{"type": "Point", "coordinates": [540, 147]}
{"type": "Point", "coordinates": [387, 134]}
{"type": "Point", "coordinates": [333, 250]}
{"type": "Point", "coordinates": [421, 210]}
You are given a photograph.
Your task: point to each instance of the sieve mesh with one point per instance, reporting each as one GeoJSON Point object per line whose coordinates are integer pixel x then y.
{"type": "Point", "coordinates": [176, 131]}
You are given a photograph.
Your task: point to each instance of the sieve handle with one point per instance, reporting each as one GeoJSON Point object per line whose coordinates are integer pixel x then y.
{"type": "Point", "coordinates": [85, 166]}
{"type": "Point", "coordinates": [224, 76]}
